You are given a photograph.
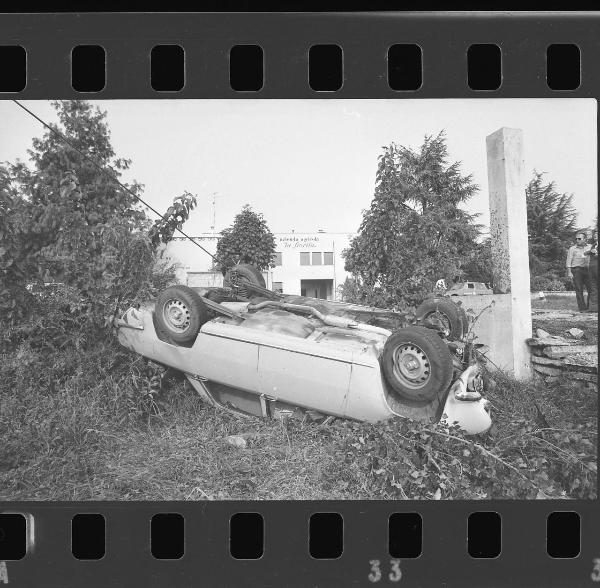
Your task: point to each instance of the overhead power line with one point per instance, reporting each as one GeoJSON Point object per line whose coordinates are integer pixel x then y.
{"type": "Point", "coordinates": [102, 169]}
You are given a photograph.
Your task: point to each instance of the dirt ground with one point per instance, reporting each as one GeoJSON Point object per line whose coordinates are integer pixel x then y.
{"type": "Point", "coordinates": [557, 315]}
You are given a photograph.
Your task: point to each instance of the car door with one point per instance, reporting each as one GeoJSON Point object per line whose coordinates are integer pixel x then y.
{"type": "Point", "coordinates": [305, 377]}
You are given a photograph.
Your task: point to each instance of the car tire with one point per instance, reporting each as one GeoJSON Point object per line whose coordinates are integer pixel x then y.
{"type": "Point", "coordinates": [451, 314]}
{"type": "Point", "coordinates": [417, 364]}
{"type": "Point", "coordinates": [244, 272]}
{"type": "Point", "coordinates": [180, 312]}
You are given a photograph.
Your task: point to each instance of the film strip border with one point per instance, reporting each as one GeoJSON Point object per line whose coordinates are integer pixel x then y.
{"type": "Point", "coordinates": [360, 55]}
{"type": "Point", "coordinates": [297, 55]}
{"type": "Point", "coordinates": [326, 544]}
{"type": "Point", "coordinates": [325, 65]}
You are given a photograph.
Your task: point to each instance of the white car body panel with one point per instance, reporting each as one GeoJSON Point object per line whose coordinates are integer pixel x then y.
{"type": "Point", "coordinates": [328, 372]}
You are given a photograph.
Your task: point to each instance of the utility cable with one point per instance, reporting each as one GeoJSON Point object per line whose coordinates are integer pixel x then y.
{"type": "Point", "coordinates": [103, 170]}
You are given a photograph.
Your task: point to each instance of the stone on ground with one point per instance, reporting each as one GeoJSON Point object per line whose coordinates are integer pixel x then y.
{"type": "Point", "coordinates": [575, 333]}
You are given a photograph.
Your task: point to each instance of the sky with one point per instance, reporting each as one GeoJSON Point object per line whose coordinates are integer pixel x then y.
{"type": "Point", "coordinates": [310, 165]}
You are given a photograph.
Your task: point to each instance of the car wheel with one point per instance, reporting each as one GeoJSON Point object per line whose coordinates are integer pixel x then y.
{"type": "Point", "coordinates": [451, 315]}
{"type": "Point", "coordinates": [236, 276]}
{"type": "Point", "coordinates": [180, 312]}
{"type": "Point", "coordinates": [416, 363]}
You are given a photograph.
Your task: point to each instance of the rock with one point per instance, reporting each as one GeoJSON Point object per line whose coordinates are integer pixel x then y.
{"type": "Point", "coordinates": [575, 364]}
{"type": "Point", "coordinates": [542, 334]}
{"type": "Point", "coordinates": [549, 340]}
{"type": "Point", "coordinates": [546, 361]}
{"type": "Point", "coordinates": [547, 370]}
{"type": "Point", "coordinates": [575, 333]}
{"type": "Point", "coordinates": [551, 379]}
{"type": "Point", "coordinates": [564, 350]}
{"type": "Point", "coordinates": [236, 441]}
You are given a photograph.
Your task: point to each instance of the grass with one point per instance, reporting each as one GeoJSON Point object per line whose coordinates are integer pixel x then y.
{"type": "Point", "coordinates": [82, 430]}
{"type": "Point", "coordinates": [567, 303]}
{"type": "Point", "coordinates": [82, 435]}
{"type": "Point", "coordinates": [80, 425]}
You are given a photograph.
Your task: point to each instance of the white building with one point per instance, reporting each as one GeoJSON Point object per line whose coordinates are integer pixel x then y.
{"type": "Point", "coordinates": [308, 264]}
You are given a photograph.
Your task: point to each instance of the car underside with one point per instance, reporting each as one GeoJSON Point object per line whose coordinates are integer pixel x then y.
{"type": "Point", "coordinates": [246, 349]}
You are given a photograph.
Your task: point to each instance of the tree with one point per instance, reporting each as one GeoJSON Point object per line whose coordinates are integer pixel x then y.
{"type": "Point", "coordinates": [414, 232]}
{"type": "Point", "coordinates": [551, 219]}
{"type": "Point", "coordinates": [14, 296]}
{"type": "Point", "coordinates": [247, 240]}
{"type": "Point", "coordinates": [70, 200]}
{"type": "Point", "coordinates": [78, 226]}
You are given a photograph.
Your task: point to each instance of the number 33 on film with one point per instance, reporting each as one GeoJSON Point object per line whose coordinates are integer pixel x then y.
{"type": "Point", "coordinates": [376, 574]}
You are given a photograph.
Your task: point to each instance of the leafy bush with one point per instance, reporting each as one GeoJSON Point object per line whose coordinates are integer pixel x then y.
{"type": "Point", "coordinates": [556, 286]}
{"type": "Point", "coordinates": [57, 400]}
{"type": "Point", "coordinates": [549, 282]}
{"type": "Point", "coordinates": [538, 283]}
{"type": "Point", "coordinates": [524, 456]}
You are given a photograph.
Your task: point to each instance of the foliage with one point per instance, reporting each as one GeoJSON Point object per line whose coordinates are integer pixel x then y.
{"type": "Point", "coordinates": [547, 283]}
{"type": "Point", "coordinates": [14, 297]}
{"type": "Point", "coordinates": [80, 426]}
{"type": "Point", "coordinates": [163, 229]}
{"type": "Point", "coordinates": [74, 217]}
{"type": "Point", "coordinates": [557, 286]}
{"type": "Point", "coordinates": [478, 267]}
{"type": "Point", "coordinates": [75, 225]}
{"type": "Point", "coordinates": [415, 231]}
{"type": "Point", "coordinates": [551, 221]}
{"type": "Point", "coordinates": [247, 240]}
{"type": "Point", "coordinates": [521, 457]}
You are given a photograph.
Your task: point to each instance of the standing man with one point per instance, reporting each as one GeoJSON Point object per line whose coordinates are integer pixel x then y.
{"type": "Point", "coordinates": [577, 269]}
{"type": "Point", "coordinates": [592, 254]}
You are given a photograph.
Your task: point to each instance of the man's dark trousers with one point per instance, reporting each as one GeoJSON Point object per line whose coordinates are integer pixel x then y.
{"type": "Point", "coordinates": [581, 278]}
{"type": "Point", "coordinates": [593, 299]}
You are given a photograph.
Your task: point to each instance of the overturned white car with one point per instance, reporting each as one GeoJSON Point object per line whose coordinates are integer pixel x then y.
{"type": "Point", "coordinates": [250, 350]}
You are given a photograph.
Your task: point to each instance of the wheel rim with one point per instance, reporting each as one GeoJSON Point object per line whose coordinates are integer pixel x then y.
{"type": "Point", "coordinates": [443, 318]}
{"type": "Point", "coordinates": [411, 366]}
{"type": "Point", "coordinates": [176, 315]}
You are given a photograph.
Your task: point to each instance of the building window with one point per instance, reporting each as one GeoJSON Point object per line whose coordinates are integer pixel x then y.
{"type": "Point", "coordinates": [278, 287]}
{"type": "Point", "coordinates": [316, 258]}
{"type": "Point", "coordinates": [277, 259]}
{"type": "Point", "coordinates": [304, 258]}
{"type": "Point", "coordinates": [328, 258]}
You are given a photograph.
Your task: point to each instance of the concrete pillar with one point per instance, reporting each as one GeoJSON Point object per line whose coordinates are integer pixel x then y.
{"type": "Point", "coordinates": [508, 230]}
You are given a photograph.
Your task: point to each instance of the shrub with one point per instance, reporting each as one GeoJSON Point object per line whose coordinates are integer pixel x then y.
{"type": "Point", "coordinates": [538, 283]}
{"type": "Point", "coordinates": [525, 455]}
{"type": "Point", "coordinates": [556, 286]}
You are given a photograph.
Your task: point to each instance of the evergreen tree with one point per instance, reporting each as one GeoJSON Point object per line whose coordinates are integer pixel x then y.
{"type": "Point", "coordinates": [551, 222]}
{"type": "Point", "coordinates": [415, 231]}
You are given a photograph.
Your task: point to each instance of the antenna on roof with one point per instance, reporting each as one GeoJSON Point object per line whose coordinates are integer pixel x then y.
{"type": "Point", "coordinates": [214, 203]}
